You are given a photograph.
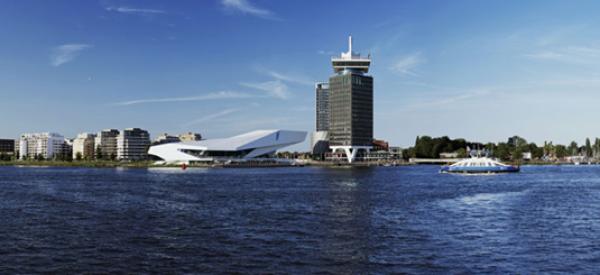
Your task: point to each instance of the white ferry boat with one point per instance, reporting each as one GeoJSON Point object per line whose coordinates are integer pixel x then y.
{"type": "Point", "coordinates": [479, 165]}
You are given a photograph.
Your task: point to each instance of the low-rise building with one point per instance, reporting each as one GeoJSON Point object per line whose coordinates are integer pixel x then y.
{"type": "Point", "coordinates": [189, 136]}
{"type": "Point", "coordinates": [41, 145]}
{"type": "Point", "coordinates": [449, 155]}
{"type": "Point", "coordinates": [395, 152]}
{"type": "Point", "coordinates": [380, 145]}
{"type": "Point", "coordinates": [84, 146]}
{"type": "Point", "coordinates": [105, 144]}
{"type": "Point", "coordinates": [133, 144]}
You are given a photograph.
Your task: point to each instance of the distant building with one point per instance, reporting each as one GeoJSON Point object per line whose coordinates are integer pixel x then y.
{"type": "Point", "coordinates": [527, 156]}
{"type": "Point", "coordinates": [132, 144]}
{"type": "Point", "coordinates": [106, 143]}
{"type": "Point", "coordinates": [189, 136]}
{"type": "Point", "coordinates": [84, 145]}
{"type": "Point", "coordinates": [44, 145]}
{"type": "Point", "coordinates": [395, 152]}
{"type": "Point", "coordinates": [447, 155]}
{"type": "Point", "coordinates": [165, 138]}
{"type": "Point", "coordinates": [380, 145]}
{"type": "Point", "coordinates": [351, 104]}
{"type": "Point", "coordinates": [322, 106]}
{"type": "Point", "coordinates": [7, 147]}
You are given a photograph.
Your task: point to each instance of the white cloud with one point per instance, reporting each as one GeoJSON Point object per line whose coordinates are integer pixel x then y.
{"type": "Point", "coordinates": [274, 88]}
{"type": "Point", "coordinates": [406, 65]}
{"type": "Point", "coordinates": [66, 53]}
{"type": "Point", "coordinates": [571, 54]}
{"type": "Point", "coordinates": [291, 78]}
{"type": "Point", "coordinates": [248, 8]}
{"type": "Point", "coordinates": [210, 96]}
{"type": "Point", "coordinates": [130, 10]}
{"type": "Point", "coordinates": [547, 55]}
{"type": "Point", "coordinates": [211, 117]}
{"type": "Point", "coordinates": [449, 99]}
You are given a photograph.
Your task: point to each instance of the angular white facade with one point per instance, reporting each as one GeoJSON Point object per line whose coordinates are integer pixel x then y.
{"type": "Point", "coordinates": [246, 146]}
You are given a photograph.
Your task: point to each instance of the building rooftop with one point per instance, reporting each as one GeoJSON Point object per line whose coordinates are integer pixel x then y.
{"type": "Point", "coordinates": [351, 61]}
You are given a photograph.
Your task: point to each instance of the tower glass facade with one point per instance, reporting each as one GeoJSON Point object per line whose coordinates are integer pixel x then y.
{"type": "Point", "coordinates": [351, 101]}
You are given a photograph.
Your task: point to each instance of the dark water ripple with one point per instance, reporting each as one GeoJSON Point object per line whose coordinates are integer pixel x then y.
{"type": "Point", "coordinates": [299, 220]}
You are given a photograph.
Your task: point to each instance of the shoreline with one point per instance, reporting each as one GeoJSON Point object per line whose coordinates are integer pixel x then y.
{"type": "Point", "coordinates": [145, 164]}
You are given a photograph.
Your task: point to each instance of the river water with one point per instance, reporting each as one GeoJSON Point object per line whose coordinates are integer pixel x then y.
{"type": "Point", "coordinates": [299, 220]}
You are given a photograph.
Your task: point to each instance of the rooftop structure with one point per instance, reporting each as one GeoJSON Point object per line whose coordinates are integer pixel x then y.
{"type": "Point", "coordinates": [351, 61]}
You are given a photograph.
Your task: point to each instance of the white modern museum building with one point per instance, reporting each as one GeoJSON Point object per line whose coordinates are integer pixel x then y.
{"type": "Point", "coordinates": [252, 145]}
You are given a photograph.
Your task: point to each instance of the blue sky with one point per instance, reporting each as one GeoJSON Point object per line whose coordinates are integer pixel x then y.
{"type": "Point", "coordinates": [482, 70]}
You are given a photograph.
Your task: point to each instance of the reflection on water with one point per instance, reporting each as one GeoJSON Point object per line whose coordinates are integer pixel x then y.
{"type": "Point", "coordinates": [177, 170]}
{"type": "Point", "coordinates": [299, 220]}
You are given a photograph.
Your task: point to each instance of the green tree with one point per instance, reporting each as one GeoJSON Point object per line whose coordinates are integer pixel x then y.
{"type": "Point", "coordinates": [423, 147]}
{"type": "Point", "coordinates": [521, 142]}
{"type": "Point", "coordinates": [502, 151]}
{"type": "Point", "coordinates": [588, 148]}
{"type": "Point", "coordinates": [573, 148]}
{"type": "Point", "coordinates": [78, 156]}
{"type": "Point", "coordinates": [536, 152]}
{"type": "Point", "coordinates": [548, 149]}
{"type": "Point", "coordinates": [98, 153]}
{"type": "Point", "coordinates": [517, 154]}
{"type": "Point", "coordinates": [560, 151]}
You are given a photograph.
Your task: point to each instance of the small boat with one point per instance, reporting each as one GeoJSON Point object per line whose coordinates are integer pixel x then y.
{"type": "Point", "coordinates": [479, 165]}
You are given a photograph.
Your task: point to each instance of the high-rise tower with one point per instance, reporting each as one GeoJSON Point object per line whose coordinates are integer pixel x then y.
{"type": "Point", "coordinates": [351, 104]}
{"type": "Point", "coordinates": [322, 106]}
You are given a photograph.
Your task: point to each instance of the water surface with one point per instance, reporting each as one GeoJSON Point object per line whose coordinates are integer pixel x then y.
{"type": "Point", "coordinates": [299, 220]}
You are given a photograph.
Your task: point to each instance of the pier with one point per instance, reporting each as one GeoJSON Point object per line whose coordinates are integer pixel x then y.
{"type": "Point", "coordinates": [433, 161]}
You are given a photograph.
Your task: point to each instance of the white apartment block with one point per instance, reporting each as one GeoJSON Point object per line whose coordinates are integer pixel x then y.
{"type": "Point", "coordinates": [45, 144]}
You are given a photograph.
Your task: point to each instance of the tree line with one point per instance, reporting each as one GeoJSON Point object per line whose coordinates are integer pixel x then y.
{"type": "Point", "coordinates": [513, 149]}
